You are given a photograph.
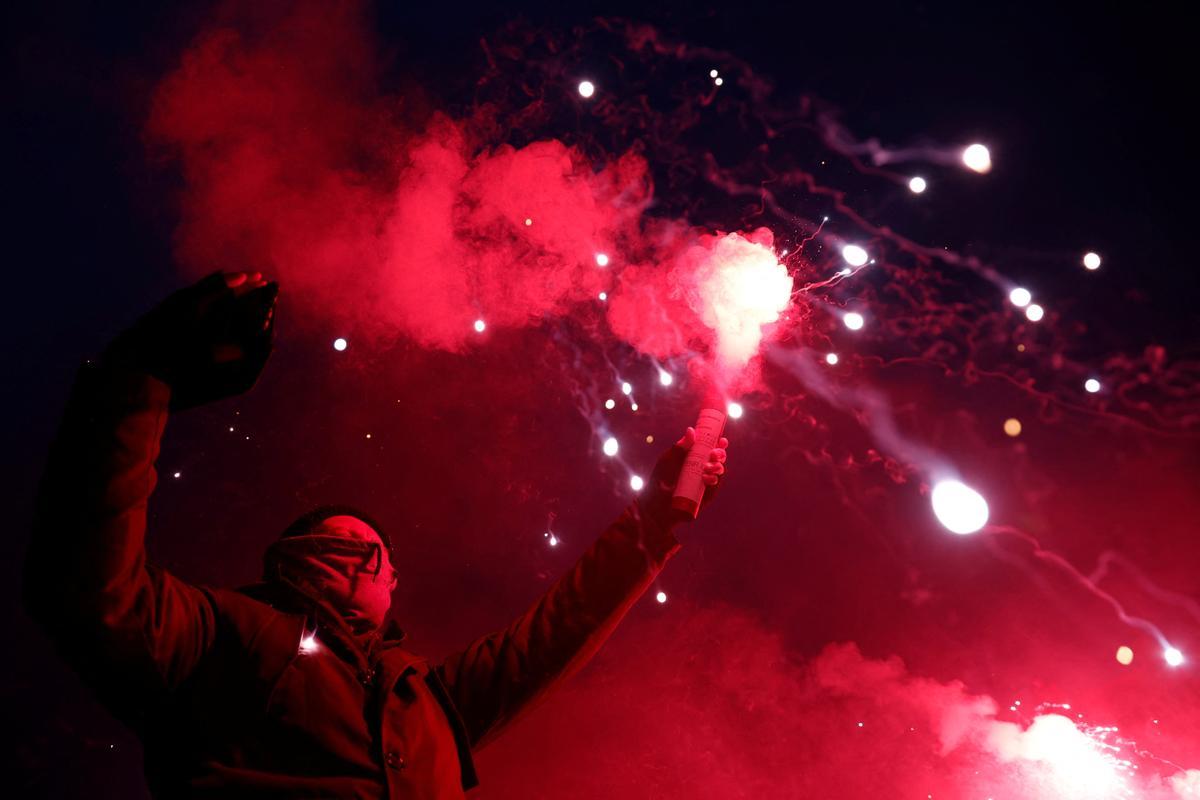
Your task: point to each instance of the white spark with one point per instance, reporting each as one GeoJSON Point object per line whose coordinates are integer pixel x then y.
{"type": "Point", "coordinates": [854, 321]}
{"type": "Point", "coordinates": [917, 185]}
{"type": "Point", "coordinates": [977, 158]}
{"type": "Point", "coordinates": [855, 256]}
{"type": "Point", "coordinates": [734, 410]}
{"type": "Point", "coordinates": [958, 507]}
{"type": "Point", "coordinates": [603, 296]}
{"type": "Point", "coordinates": [586, 89]}
{"type": "Point", "coordinates": [1020, 297]}
{"type": "Point", "coordinates": [719, 81]}
{"type": "Point", "coordinates": [340, 344]}
{"type": "Point", "coordinates": [610, 404]}
{"type": "Point", "coordinates": [479, 326]}
{"type": "Point", "coordinates": [637, 483]}
{"type": "Point", "coordinates": [1091, 385]}
{"type": "Point", "coordinates": [661, 597]}
{"type": "Point", "coordinates": [831, 358]}
{"type": "Point", "coordinates": [665, 378]}
{"type": "Point", "coordinates": [610, 446]}
{"type": "Point", "coordinates": [1034, 312]}
{"type": "Point", "coordinates": [1091, 261]}
{"type": "Point", "coordinates": [626, 388]}
{"type": "Point", "coordinates": [712, 73]}
{"type": "Point", "coordinates": [602, 259]}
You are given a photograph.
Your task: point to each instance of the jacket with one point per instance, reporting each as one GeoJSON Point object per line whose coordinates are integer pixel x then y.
{"type": "Point", "coordinates": [236, 692]}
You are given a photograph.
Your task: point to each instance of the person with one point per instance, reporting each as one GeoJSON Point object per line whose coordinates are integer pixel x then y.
{"type": "Point", "coordinates": [297, 686]}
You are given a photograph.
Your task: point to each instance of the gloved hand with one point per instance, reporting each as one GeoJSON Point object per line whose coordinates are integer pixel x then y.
{"type": "Point", "coordinates": [656, 502]}
{"type": "Point", "coordinates": [208, 341]}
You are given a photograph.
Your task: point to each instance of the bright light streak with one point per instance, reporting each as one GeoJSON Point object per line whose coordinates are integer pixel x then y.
{"type": "Point", "coordinates": [610, 446]}
{"type": "Point", "coordinates": [831, 358]}
{"type": "Point", "coordinates": [855, 256]}
{"type": "Point", "coordinates": [479, 326]}
{"type": "Point", "coordinates": [610, 404]}
{"type": "Point", "coordinates": [1173, 657]}
{"type": "Point", "coordinates": [977, 158]}
{"type": "Point", "coordinates": [309, 643]}
{"type": "Point", "coordinates": [661, 597]}
{"type": "Point", "coordinates": [626, 388]}
{"type": "Point", "coordinates": [665, 378]}
{"type": "Point", "coordinates": [958, 507]}
{"type": "Point", "coordinates": [637, 483]}
{"type": "Point", "coordinates": [1091, 385]}
{"type": "Point", "coordinates": [917, 185]}
{"type": "Point", "coordinates": [586, 88]}
{"type": "Point", "coordinates": [340, 344]}
{"type": "Point", "coordinates": [601, 259]}
{"type": "Point", "coordinates": [1020, 297]}
{"type": "Point", "coordinates": [1091, 261]}
{"type": "Point", "coordinates": [1124, 655]}
{"type": "Point", "coordinates": [1034, 312]}
{"type": "Point", "coordinates": [735, 410]}
{"type": "Point", "coordinates": [854, 321]}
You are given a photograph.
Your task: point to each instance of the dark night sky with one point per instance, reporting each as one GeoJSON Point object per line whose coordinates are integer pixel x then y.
{"type": "Point", "coordinates": [1087, 112]}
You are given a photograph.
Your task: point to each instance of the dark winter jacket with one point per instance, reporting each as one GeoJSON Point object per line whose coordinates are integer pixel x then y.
{"type": "Point", "coordinates": [227, 691]}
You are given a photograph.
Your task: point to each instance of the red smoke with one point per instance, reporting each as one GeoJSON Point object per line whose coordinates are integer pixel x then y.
{"type": "Point", "coordinates": [296, 164]}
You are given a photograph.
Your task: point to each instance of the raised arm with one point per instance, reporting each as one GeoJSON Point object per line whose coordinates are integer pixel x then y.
{"type": "Point", "coordinates": [498, 677]}
{"type": "Point", "coordinates": [131, 630]}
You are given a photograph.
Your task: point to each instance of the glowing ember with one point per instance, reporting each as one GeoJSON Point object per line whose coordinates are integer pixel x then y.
{"type": "Point", "coordinates": [958, 507]}
{"type": "Point", "coordinates": [1020, 297]}
{"type": "Point", "coordinates": [1124, 655]}
{"type": "Point", "coordinates": [854, 321]}
{"type": "Point", "coordinates": [610, 446]}
{"type": "Point", "coordinates": [1012, 426]}
{"type": "Point", "coordinates": [340, 344]}
{"type": "Point", "coordinates": [855, 256]}
{"type": "Point", "coordinates": [1034, 312]}
{"type": "Point", "coordinates": [1091, 261]}
{"type": "Point", "coordinates": [586, 88]}
{"type": "Point", "coordinates": [977, 158]}
{"type": "Point", "coordinates": [917, 185]}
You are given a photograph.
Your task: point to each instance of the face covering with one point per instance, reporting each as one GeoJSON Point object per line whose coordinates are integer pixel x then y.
{"type": "Point", "coordinates": [350, 575]}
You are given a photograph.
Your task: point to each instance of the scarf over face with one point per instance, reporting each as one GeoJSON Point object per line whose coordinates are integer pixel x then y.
{"type": "Point", "coordinates": [353, 576]}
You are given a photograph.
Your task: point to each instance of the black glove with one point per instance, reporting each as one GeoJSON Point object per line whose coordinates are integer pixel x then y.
{"type": "Point", "coordinates": [656, 502]}
{"type": "Point", "coordinates": [208, 341]}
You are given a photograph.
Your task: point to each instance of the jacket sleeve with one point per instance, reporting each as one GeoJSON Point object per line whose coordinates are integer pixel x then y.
{"type": "Point", "coordinates": [502, 675]}
{"type": "Point", "coordinates": [132, 631]}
